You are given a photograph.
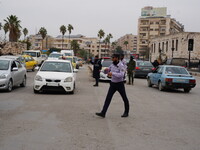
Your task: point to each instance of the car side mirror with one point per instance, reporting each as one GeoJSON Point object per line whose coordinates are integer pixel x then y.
{"type": "Point", "coordinates": [15, 69]}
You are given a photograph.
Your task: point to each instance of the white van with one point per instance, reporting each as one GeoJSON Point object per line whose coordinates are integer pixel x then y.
{"type": "Point", "coordinates": [69, 52]}
{"type": "Point", "coordinates": [36, 54]}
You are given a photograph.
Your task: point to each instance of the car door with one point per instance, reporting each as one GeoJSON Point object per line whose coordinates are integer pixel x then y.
{"type": "Point", "coordinates": [156, 75]}
{"type": "Point", "coordinates": [15, 73]}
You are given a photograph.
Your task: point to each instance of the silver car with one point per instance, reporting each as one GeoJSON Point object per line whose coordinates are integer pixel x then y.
{"type": "Point", "coordinates": [12, 73]}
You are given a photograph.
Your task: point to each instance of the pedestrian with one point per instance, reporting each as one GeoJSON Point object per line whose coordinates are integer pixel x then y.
{"type": "Point", "coordinates": [123, 60]}
{"type": "Point", "coordinates": [116, 72]}
{"type": "Point", "coordinates": [131, 70]}
{"type": "Point", "coordinates": [97, 66]}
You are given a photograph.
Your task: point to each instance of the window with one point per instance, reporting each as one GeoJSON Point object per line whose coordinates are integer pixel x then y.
{"type": "Point", "coordinates": [176, 45]}
{"type": "Point", "coordinates": [166, 46]}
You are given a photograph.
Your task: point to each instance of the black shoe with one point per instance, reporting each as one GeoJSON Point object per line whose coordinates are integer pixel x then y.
{"type": "Point", "coordinates": [125, 115]}
{"type": "Point", "coordinates": [95, 85]}
{"type": "Point", "coordinates": [100, 115]}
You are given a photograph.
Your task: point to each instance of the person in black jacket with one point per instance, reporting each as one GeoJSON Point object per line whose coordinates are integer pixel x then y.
{"type": "Point", "coordinates": [96, 69]}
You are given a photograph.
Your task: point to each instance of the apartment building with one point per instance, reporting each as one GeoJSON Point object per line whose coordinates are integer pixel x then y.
{"type": "Point", "coordinates": [154, 22]}
{"type": "Point", "coordinates": [175, 46]}
{"type": "Point", "coordinates": [38, 43]}
{"type": "Point", "coordinates": [91, 44]}
{"type": "Point", "coordinates": [131, 39]}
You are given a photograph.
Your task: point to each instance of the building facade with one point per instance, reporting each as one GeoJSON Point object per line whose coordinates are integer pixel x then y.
{"type": "Point", "coordinates": [175, 46]}
{"type": "Point", "coordinates": [152, 25]}
{"type": "Point", "coordinates": [131, 39]}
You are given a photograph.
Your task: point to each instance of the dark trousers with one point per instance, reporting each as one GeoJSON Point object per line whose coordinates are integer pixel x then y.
{"type": "Point", "coordinates": [97, 81]}
{"type": "Point", "coordinates": [112, 89]}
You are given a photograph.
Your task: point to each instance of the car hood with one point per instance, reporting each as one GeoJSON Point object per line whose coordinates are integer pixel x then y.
{"type": "Point", "coordinates": [3, 72]}
{"type": "Point", "coordinates": [55, 75]}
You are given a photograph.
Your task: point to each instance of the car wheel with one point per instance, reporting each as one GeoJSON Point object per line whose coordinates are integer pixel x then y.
{"type": "Point", "coordinates": [35, 91]}
{"type": "Point", "coordinates": [149, 83]}
{"type": "Point", "coordinates": [160, 87]}
{"type": "Point", "coordinates": [187, 90]}
{"type": "Point", "coordinates": [23, 84]}
{"type": "Point", "coordinates": [10, 86]}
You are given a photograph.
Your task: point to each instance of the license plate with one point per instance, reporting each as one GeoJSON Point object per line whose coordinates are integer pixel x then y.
{"type": "Point", "coordinates": [52, 84]}
{"type": "Point", "coordinates": [180, 80]}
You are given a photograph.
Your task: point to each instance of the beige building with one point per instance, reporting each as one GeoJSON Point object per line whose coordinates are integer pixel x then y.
{"type": "Point", "coordinates": [175, 45]}
{"type": "Point", "coordinates": [152, 26]}
{"type": "Point", "coordinates": [131, 47]}
{"type": "Point", "coordinates": [37, 41]}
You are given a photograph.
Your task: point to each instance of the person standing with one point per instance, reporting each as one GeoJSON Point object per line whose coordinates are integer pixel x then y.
{"type": "Point", "coordinates": [131, 70]}
{"type": "Point", "coordinates": [116, 72]}
{"type": "Point", "coordinates": [97, 66]}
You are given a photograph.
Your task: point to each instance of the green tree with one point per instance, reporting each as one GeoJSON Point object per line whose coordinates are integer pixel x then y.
{"type": "Point", "coordinates": [119, 50]}
{"type": "Point", "coordinates": [14, 28]}
{"type": "Point", "coordinates": [43, 33]}
{"type": "Point", "coordinates": [75, 46]}
{"type": "Point", "coordinates": [63, 31]}
{"type": "Point", "coordinates": [100, 34]}
{"type": "Point", "coordinates": [5, 28]}
{"type": "Point", "coordinates": [126, 44]}
{"type": "Point", "coordinates": [25, 32]}
{"type": "Point", "coordinates": [70, 28]}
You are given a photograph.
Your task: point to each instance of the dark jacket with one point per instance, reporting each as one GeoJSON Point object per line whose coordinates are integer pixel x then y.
{"type": "Point", "coordinates": [131, 66]}
{"type": "Point", "coordinates": [96, 68]}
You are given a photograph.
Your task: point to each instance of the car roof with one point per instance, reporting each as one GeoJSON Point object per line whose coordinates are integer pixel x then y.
{"type": "Point", "coordinates": [3, 58]}
{"type": "Point", "coordinates": [56, 60]}
{"type": "Point", "coordinates": [10, 56]}
{"type": "Point", "coordinates": [172, 66]}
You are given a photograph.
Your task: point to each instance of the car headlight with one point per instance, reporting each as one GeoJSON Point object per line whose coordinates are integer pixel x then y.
{"type": "Point", "coordinates": [38, 78]}
{"type": "Point", "coordinates": [69, 79]}
{"type": "Point", "coordinates": [3, 76]}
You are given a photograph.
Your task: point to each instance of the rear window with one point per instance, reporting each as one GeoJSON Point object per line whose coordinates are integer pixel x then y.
{"type": "Point", "coordinates": [143, 63]}
{"type": "Point", "coordinates": [175, 70]}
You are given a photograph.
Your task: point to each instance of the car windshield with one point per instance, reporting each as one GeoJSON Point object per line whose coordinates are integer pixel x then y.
{"type": "Point", "coordinates": [55, 55]}
{"type": "Point", "coordinates": [56, 67]}
{"type": "Point", "coordinates": [143, 63]}
{"type": "Point", "coordinates": [28, 59]}
{"type": "Point", "coordinates": [67, 54]}
{"type": "Point", "coordinates": [106, 63]}
{"type": "Point", "coordinates": [175, 70]}
{"type": "Point", "coordinates": [4, 64]}
{"type": "Point", "coordinates": [33, 54]}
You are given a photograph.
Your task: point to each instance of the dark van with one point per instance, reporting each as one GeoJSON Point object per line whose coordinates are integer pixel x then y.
{"type": "Point", "coordinates": [177, 62]}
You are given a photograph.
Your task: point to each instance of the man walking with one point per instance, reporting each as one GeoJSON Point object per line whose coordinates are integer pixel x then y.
{"type": "Point", "coordinates": [96, 69]}
{"type": "Point", "coordinates": [116, 72]}
{"type": "Point", "coordinates": [131, 70]}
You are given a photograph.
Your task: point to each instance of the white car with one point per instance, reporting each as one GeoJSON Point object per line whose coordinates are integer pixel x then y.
{"type": "Point", "coordinates": [12, 73]}
{"type": "Point", "coordinates": [55, 75]}
{"type": "Point", "coordinates": [55, 55]}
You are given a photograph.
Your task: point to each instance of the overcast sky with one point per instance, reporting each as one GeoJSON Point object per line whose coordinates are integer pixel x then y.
{"type": "Point", "coordinates": [118, 17]}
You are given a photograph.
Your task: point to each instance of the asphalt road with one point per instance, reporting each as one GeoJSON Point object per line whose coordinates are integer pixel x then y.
{"type": "Point", "coordinates": [167, 120]}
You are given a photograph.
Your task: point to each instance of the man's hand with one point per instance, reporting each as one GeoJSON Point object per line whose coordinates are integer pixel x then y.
{"type": "Point", "coordinates": [110, 74]}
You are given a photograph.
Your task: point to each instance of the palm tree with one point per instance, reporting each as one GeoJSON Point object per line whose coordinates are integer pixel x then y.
{"type": "Point", "coordinates": [5, 28]}
{"type": "Point", "coordinates": [126, 43]}
{"type": "Point", "coordinates": [43, 33]}
{"type": "Point", "coordinates": [75, 46]}
{"type": "Point", "coordinates": [100, 34]}
{"type": "Point", "coordinates": [25, 32]}
{"type": "Point", "coordinates": [14, 28]}
{"type": "Point", "coordinates": [63, 31]}
{"type": "Point", "coordinates": [70, 28]}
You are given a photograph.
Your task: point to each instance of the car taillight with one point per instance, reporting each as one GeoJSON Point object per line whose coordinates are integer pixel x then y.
{"type": "Point", "coordinates": [153, 69]}
{"type": "Point", "coordinates": [168, 79]}
{"type": "Point", "coordinates": [137, 68]}
{"type": "Point", "coordinates": [192, 81]}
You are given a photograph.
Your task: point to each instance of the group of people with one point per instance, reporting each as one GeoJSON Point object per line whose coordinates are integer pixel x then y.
{"type": "Point", "coordinates": [116, 72]}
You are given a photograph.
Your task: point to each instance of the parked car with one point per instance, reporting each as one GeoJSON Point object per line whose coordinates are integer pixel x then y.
{"type": "Point", "coordinates": [177, 62]}
{"type": "Point", "coordinates": [171, 77]}
{"type": "Point", "coordinates": [55, 75]}
{"type": "Point", "coordinates": [80, 62]}
{"type": "Point", "coordinates": [30, 62]}
{"type": "Point", "coordinates": [19, 58]}
{"type": "Point", "coordinates": [12, 73]}
{"type": "Point", "coordinates": [143, 68]}
{"type": "Point", "coordinates": [72, 60]}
